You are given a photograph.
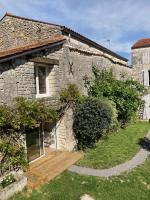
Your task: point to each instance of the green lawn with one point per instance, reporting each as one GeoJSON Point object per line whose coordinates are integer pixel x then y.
{"type": "Point", "coordinates": [134, 185]}
{"type": "Point", "coordinates": [117, 148]}
{"type": "Point", "coordinates": [70, 186]}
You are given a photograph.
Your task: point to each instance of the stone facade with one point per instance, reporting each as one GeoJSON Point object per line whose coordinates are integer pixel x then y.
{"type": "Point", "coordinates": [62, 136]}
{"type": "Point", "coordinates": [140, 63]}
{"type": "Point", "coordinates": [79, 64]}
{"type": "Point", "coordinates": [16, 31]}
{"type": "Point", "coordinates": [76, 58]}
{"type": "Point", "coordinates": [140, 72]}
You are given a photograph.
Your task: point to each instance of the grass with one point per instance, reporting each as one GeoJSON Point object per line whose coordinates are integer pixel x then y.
{"type": "Point", "coordinates": [134, 185]}
{"type": "Point", "coordinates": [70, 186]}
{"type": "Point", "coordinates": [117, 148]}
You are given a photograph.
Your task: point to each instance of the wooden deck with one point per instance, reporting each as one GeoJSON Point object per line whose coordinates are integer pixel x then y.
{"type": "Point", "coordinates": [49, 166]}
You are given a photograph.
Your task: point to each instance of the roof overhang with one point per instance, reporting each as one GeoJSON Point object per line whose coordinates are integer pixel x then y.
{"type": "Point", "coordinates": [32, 48]}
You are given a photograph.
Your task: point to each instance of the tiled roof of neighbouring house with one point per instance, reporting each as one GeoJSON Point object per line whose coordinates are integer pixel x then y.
{"type": "Point", "coordinates": [141, 43]}
{"type": "Point", "coordinates": [74, 34]}
{"type": "Point", "coordinates": [35, 45]}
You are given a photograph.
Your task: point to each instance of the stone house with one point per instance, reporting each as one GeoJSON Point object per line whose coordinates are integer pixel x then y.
{"type": "Point", "coordinates": [140, 53]}
{"type": "Point", "coordinates": [37, 60]}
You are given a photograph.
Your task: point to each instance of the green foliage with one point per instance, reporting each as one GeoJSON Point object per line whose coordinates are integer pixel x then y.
{"type": "Point", "coordinates": [31, 114]}
{"type": "Point", "coordinates": [92, 117]}
{"type": "Point", "coordinates": [24, 115]}
{"type": "Point", "coordinates": [70, 94]}
{"type": "Point", "coordinates": [15, 121]}
{"type": "Point", "coordinates": [125, 93]}
{"type": "Point", "coordinates": [12, 153]}
{"type": "Point", "coordinates": [114, 121]}
{"type": "Point", "coordinates": [7, 180]}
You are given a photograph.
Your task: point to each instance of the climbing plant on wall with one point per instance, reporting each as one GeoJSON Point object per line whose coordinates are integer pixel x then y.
{"type": "Point", "coordinates": [23, 116]}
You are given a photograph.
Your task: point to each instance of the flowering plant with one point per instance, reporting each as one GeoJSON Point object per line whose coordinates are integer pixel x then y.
{"type": "Point", "coordinates": [7, 180]}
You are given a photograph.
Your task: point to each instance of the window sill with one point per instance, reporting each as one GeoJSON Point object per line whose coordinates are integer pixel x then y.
{"type": "Point", "coordinates": [42, 95]}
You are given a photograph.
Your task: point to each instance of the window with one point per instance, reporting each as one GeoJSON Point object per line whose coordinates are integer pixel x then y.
{"type": "Point", "coordinates": [146, 77]}
{"type": "Point", "coordinates": [149, 77]}
{"type": "Point", "coordinates": [41, 81]}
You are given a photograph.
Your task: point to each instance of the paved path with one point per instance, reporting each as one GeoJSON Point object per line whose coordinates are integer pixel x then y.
{"type": "Point", "coordinates": [138, 159]}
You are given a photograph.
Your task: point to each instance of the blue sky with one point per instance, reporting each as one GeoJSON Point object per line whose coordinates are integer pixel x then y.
{"type": "Point", "coordinates": [120, 21]}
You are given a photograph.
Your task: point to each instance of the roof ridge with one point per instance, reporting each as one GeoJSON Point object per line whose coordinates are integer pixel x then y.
{"type": "Point", "coordinates": [29, 19]}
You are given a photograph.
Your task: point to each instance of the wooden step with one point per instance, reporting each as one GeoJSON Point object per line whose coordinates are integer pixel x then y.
{"type": "Point", "coordinates": [46, 169]}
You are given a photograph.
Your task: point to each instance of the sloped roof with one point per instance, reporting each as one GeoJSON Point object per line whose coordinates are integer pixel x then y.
{"type": "Point", "coordinates": [142, 43]}
{"type": "Point", "coordinates": [35, 45]}
{"type": "Point", "coordinates": [75, 34]}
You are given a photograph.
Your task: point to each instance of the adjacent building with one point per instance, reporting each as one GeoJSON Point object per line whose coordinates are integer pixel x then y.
{"type": "Point", "coordinates": [141, 69]}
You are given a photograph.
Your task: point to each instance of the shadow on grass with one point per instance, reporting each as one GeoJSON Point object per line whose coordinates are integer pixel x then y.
{"type": "Point", "coordinates": [144, 143]}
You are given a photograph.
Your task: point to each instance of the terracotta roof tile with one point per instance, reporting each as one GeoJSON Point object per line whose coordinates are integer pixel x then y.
{"type": "Point", "coordinates": [141, 43]}
{"type": "Point", "coordinates": [32, 46]}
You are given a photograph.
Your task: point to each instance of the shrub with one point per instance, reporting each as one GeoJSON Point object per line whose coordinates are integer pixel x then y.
{"type": "Point", "coordinates": [12, 154]}
{"type": "Point", "coordinates": [125, 93]}
{"type": "Point", "coordinates": [92, 117]}
{"type": "Point", "coordinates": [114, 126]}
{"type": "Point", "coordinates": [70, 94]}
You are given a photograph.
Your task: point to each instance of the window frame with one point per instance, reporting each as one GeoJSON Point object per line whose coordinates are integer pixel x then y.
{"type": "Point", "coordinates": [149, 77]}
{"type": "Point", "coordinates": [38, 95]}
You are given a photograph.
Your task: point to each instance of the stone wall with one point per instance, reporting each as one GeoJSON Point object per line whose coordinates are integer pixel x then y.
{"type": "Point", "coordinates": [14, 188]}
{"type": "Point", "coordinates": [140, 62]}
{"type": "Point", "coordinates": [78, 64]}
{"type": "Point", "coordinates": [141, 66]}
{"type": "Point", "coordinates": [64, 131]}
{"type": "Point", "coordinates": [15, 31]}
{"type": "Point", "coordinates": [16, 79]}
{"type": "Point", "coordinates": [61, 136]}
{"type": "Point", "coordinates": [8, 85]}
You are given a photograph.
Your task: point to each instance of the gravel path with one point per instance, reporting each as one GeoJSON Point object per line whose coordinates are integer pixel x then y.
{"type": "Point", "coordinates": [138, 159]}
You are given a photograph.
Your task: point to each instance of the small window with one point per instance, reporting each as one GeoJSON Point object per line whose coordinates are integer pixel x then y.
{"type": "Point", "coordinates": [41, 81]}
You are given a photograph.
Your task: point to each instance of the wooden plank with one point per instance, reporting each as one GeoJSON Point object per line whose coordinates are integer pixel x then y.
{"type": "Point", "coordinates": [50, 166]}
{"type": "Point", "coordinates": [43, 60]}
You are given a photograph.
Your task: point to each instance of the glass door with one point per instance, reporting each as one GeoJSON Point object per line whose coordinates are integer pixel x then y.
{"type": "Point", "coordinates": [34, 140]}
